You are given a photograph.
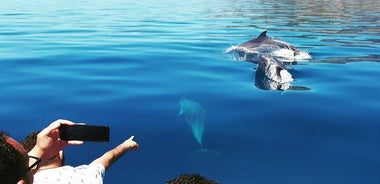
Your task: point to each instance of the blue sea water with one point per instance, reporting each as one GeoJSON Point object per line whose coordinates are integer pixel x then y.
{"type": "Point", "coordinates": [127, 64]}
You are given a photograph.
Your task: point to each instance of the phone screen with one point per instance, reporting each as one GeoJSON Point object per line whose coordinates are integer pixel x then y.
{"type": "Point", "coordinates": [84, 133]}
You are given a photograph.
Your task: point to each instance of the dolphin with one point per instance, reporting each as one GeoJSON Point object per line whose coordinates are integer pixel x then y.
{"type": "Point", "coordinates": [264, 83]}
{"type": "Point", "coordinates": [263, 44]}
{"type": "Point", "coordinates": [273, 69]}
{"type": "Point", "coordinates": [195, 116]}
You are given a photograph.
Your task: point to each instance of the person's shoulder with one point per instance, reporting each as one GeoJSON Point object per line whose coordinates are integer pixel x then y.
{"type": "Point", "coordinates": [94, 172]}
{"type": "Point", "coordinates": [62, 169]}
{"type": "Point", "coordinates": [53, 175]}
{"type": "Point", "coordinates": [94, 166]}
{"type": "Point", "coordinates": [100, 167]}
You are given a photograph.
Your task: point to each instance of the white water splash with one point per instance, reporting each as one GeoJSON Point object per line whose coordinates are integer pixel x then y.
{"type": "Point", "coordinates": [284, 76]}
{"type": "Point", "coordinates": [285, 55]}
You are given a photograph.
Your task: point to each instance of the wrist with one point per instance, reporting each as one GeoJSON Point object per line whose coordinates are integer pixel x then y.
{"type": "Point", "coordinates": [36, 152]}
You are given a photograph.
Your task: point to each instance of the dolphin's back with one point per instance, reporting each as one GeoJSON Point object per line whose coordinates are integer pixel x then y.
{"type": "Point", "coordinates": [192, 110]}
{"type": "Point", "coordinates": [280, 44]}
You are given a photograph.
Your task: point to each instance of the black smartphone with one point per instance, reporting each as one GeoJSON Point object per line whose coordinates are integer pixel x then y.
{"type": "Point", "coordinates": [84, 133]}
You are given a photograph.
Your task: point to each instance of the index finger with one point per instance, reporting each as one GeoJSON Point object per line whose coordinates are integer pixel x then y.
{"type": "Point", "coordinates": [56, 124]}
{"type": "Point", "coordinates": [75, 142]}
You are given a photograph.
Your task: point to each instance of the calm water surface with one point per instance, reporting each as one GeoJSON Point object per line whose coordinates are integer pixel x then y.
{"type": "Point", "coordinates": [127, 65]}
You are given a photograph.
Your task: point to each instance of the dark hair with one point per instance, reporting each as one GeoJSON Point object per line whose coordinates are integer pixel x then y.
{"type": "Point", "coordinates": [10, 161]}
{"type": "Point", "coordinates": [190, 179]}
{"type": "Point", "coordinates": [30, 141]}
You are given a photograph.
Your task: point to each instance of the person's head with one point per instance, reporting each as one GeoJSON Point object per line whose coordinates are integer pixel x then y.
{"type": "Point", "coordinates": [14, 162]}
{"type": "Point", "coordinates": [30, 141]}
{"type": "Point", "coordinates": [190, 178]}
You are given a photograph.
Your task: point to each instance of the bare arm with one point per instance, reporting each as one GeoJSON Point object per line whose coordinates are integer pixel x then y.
{"type": "Point", "coordinates": [113, 155]}
{"type": "Point", "coordinates": [48, 141]}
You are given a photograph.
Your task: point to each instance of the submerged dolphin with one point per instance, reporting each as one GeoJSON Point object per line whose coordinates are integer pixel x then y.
{"type": "Point", "coordinates": [195, 116]}
{"type": "Point", "coordinates": [274, 69]}
{"type": "Point", "coordinates": [263, 82]}
{"type": "Point", "coordinates": [272, 74]}
{"type": "Point", "coordinates": [265, 45]}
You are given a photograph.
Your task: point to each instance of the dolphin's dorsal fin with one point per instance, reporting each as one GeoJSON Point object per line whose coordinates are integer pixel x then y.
{"type": "Point", "coordinates": [255, 42]}
{"type": "Point", "coordinates": [263, 35]}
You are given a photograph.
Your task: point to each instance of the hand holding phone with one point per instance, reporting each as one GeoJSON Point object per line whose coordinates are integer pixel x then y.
{"type": "Point", "coordinates": [84, 133]}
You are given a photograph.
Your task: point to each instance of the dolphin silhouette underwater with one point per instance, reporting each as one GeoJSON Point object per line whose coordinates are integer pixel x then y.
{"type": "Point", "coordinates": [263, 44]}
{"type": "Point", "coordinates": [195, 116]}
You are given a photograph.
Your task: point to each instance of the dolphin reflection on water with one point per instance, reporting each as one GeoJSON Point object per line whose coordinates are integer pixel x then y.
{"type": "Point", "coordinates": [195, 116]}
